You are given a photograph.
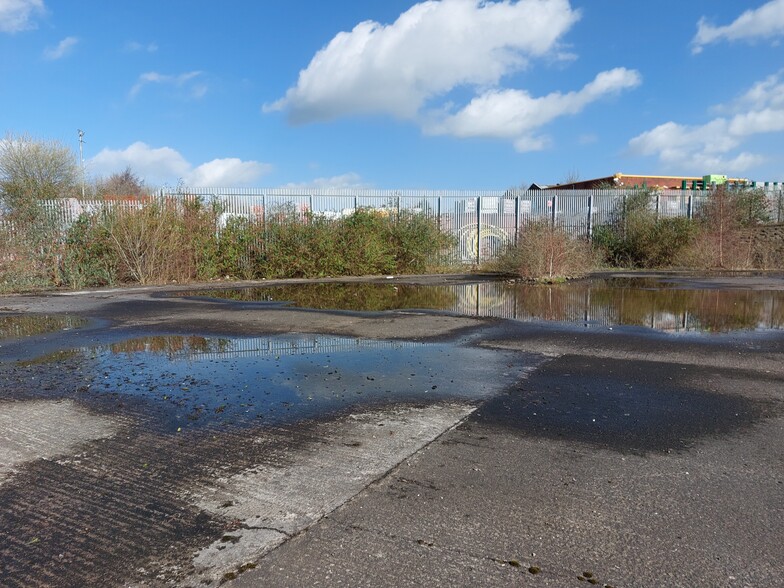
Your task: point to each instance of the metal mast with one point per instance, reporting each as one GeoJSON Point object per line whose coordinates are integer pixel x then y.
{"type": "Point", "coordinates": [81, 156]}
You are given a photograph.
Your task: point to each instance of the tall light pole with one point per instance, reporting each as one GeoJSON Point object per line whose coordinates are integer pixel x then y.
{"type": "Point", "coordinates": [81, 156]}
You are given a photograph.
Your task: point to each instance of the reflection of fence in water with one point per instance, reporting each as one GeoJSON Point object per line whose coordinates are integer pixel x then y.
{"type": "Point", "coordinates": [692, 310]}
{"type": "Point", "coordinates": [189, 348]}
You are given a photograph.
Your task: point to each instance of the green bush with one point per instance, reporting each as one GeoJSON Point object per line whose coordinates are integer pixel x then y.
{"type": "Point", "coordinates": [89, 258]}
{"type": "Point", "coordinates": [366, 242]}
{"type": "Point", "coordinates": [418, 242]}
{"type": "Point", "coordinates": [634, 237]}
{"type": "Point", "coordinates": [237, 250]}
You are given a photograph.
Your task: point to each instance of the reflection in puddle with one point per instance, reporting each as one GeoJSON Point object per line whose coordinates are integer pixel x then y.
{"type": "Point", "coordinates": [16, 326]}
{"type": "Point", "coordinates": [648, 303]}
{"type": "Point", "coordinates": [351, 296]}
{"type": "Point", "coordinates": [197, 381]}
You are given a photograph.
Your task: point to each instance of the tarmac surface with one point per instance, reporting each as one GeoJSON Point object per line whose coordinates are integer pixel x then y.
{"type": "Point", "coordinates": [531, 454]}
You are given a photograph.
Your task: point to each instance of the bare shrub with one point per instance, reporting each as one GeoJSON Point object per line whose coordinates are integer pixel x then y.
{"type": "Point", "coordinates": [723, 240]}
{"type": "Point", "coordinates": [122, 184]}
{"type": "Point", "coordinates": [544, 252]}
{"type": "Point", "coordinates": [161, 241]}
{"type": "Point", "coordinates": [768, 247]}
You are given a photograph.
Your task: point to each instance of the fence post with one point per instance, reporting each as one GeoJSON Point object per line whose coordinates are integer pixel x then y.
{"type": "Point", "coordinates": [689, 205]}
{"type": "Point", "coordinates": [264, 215]}
{"type": "Point", "coordinates": [517, 218]}
{"type": "Point", "coordinates": [478, 229]}
{"type": "Point", "coordinates": [590, 215]}
{"type": "Point", "coordinates": [439, 212]}
{"type": "Point", "coordinates": [780, 203]}
{"type": "Point", "coordinates": [555, 207]}
{"type": "Point", "coordinates": [658, 200]}
{"type": "Point", "coordinates": [623, 214]}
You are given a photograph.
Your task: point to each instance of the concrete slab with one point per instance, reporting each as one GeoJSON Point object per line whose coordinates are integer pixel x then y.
{"type": "Point", "coordinates": [272, 503]}
{"type": "Point", "coordinates": [44, 429]}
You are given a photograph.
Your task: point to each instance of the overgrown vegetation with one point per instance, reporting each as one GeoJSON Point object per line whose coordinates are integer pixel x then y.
{"type": "Point", "coordinates": [724, 239]}
{"type": "Point", "coordinates": [31, 172]}
{"type": "Point", "coordinates": [166, 241]}
{"type": "Point", "coordinates": [137, 238]}
{"type": "Point", "coordinates": [720, 236]}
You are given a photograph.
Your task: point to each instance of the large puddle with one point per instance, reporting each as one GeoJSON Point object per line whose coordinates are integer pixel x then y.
{"type": "Point", "coordinates": [649, 303]}
{"type": "Point", "coordinates": [18, 326]}
{"type": "Point", "coordinates": [197, 381]}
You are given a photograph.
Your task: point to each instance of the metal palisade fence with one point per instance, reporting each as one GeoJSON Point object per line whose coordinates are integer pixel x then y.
{"type": "Point", "coordinates": [483, 222]}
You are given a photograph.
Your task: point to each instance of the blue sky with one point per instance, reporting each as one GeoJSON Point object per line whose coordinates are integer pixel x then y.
{"type": "Point", "coordinates": [451, 94]}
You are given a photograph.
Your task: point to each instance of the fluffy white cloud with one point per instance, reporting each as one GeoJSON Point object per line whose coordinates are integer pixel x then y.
{"type": "Point", "coordinates": [432, 48]}
{"type": "Point", "coordinates": [712, 147]}
{"type": "Point", "coordinates": [230, 171]}
{"type": "Point", "coordinates": [768, 93]}
{"type": "Point", "coordinates": [764, 22]}
{"type": "Point", "coordinates": [514, 114]}
{"type": "Point", "coordinates": [189, 82]}
{"type": "Point", "coordinates": [341, 182]}
{"type": "Point", "coordinates": [17, 15]}
{"type": "Point", "coordinates": [164, 165]}
{"type": "Point", "coordinates": [62, 49]}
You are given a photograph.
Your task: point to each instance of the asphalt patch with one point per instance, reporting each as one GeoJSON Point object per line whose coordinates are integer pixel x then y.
{"type": "Point", "coordinates": [627, 406]}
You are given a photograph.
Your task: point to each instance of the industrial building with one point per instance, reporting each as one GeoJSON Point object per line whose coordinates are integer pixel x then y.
{"type": "Point", "coordinates": [620, 180]}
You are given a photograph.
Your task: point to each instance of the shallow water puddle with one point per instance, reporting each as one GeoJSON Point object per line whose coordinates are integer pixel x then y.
{"type": "Point", "coordinates": [17, 326]}
{"type": "Point", "coordinates": [651, 303]}
{"type": "Point", "coordinates": [198, 381]}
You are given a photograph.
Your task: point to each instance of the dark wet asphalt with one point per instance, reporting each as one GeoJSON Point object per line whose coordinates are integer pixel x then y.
{"type": "Point", "coordinates": [631, 406]}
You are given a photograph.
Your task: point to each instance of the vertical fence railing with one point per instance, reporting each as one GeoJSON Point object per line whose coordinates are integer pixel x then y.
{"type": "Point", "coordinates": [483, 222]}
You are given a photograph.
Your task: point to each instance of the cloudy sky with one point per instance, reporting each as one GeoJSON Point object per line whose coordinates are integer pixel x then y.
{"type": "Point", "coordinates": [397, 94]}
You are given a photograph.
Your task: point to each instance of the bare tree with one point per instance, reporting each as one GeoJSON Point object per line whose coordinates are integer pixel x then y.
{"type": "Point", "coordinates": [572, 176]}
{"type": "Point", "coordinates": [32, 170]}
{"type": "Point", "coordinates": [125, 183]}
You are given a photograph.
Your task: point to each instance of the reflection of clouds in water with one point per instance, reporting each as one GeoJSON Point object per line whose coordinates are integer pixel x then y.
{"type": "Point", "coordinates": [197, 381]}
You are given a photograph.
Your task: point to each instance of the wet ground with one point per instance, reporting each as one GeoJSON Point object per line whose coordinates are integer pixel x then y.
{"type": "Point", "coordinates": [444, 430]}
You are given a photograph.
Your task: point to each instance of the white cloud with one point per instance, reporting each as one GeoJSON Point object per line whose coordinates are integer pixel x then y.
{"type": "Point", "coordinates": [432, 48]}
{"type": "Point", "coordinates": [17, 15]}
{"type": "Point", "coordinates": [62, 49]}
{"type": "Point", "coordinates": [230, 171]}
{"type": "Point", "coordinates": [712, 147]}
{"type": "Point", "coordinates": [164, 165]}
{"type": "Point", "coordinates": [341, 182]}
{"type": "Point", "coordinates": [188, 82]}
{"type": "Point", "coordinates": [764, 22]}
{"type": "Point", "coordinates": [764, 94]}
{"type": "Point", "coordinates": [514, 114]}
{"type": "Point", "coordinates": [135, 47]}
